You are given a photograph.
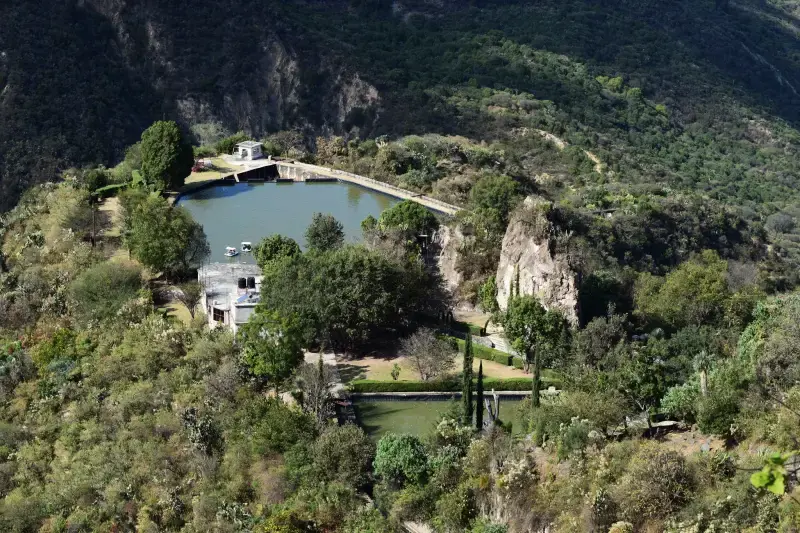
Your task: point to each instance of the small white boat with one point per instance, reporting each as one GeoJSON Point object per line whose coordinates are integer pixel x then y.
{"type": "Point", "coordinates": [247, 247]}
{"type": "Point", "coordinates": [231, 252]}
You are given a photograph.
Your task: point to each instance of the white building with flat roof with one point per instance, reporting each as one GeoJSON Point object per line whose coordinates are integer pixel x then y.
{"type": "Point", "coordinates": [249, 150]}
{"type": "Point", "coordinates": [231, 292]}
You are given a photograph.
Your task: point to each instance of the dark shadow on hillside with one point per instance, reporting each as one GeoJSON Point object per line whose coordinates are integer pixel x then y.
{"type": "Point", "coordinates": [349, 373]}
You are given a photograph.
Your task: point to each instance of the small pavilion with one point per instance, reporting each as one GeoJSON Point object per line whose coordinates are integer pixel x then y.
{"type": "Point", "coordinates": [249, 150]}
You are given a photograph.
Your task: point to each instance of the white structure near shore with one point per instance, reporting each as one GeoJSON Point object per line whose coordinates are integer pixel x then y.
{"type": "Point", "coordinates": [231, 292]}
{"type": "Point", "coordinates": [249, 150]}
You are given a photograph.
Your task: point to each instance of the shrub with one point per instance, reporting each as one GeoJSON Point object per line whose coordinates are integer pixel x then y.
{"type": "Point", "coordinates": [343, 454]}
{"type": "Point", "coordinates": [101, 291]}
{"type": "Point", "coordinates": [401, 459]}
{"type": "Point", "coordinates": [518, 362]}
{"type": "Point", "coordinates": [680, 402]}
{"type": "Point", "coordinates": [658, 483]}
{"type": "Point", "coordinates": [226, 145]}
{"type": "Point", "coordinates": [463, 327]}
{"type": "Point", "coordinates": [480, 351]}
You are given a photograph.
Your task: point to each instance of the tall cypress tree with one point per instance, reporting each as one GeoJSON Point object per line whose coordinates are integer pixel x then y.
{"type": "Point", "coordinates": [466, 392]}
{"type": "Point", "coordinates": [479, 399]}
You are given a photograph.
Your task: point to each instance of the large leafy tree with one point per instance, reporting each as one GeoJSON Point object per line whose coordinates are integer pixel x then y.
{"type": "Point", "coordinates": [275, 247]}
{"type": "Point", "coordinates": [410, 218]}
{"type": "Point", "coordinates": [324, 233]}
{"type": "Point", "coordinates": [166, 158]}
{"type": "Point", "coordinates": [400, 460]}
{"type": "Point", "coordinates": [164, 238]}
{"type": "Point", "coordinates": [271, 346]}
{"type": "Point", "coordinates": [497, 193]}
{"type": "Point", "coordinates": [190, 295]}
{"type": "Point", "coordinates": [533, 330]}
{"type": "Point", "coordinates": [344, 454]}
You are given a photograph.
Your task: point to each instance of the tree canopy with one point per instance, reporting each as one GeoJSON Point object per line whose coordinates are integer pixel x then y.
{"type": "Point", "coordinates": [271, 346]}
{"type": "Point", "coordinates": [164, 238]}
{"type": "Point", "coordinates": [409, 217]}
{"type": "Point", "coordinates": [349, 297]}
{"type": "Point", "coordinates": [275, 247]}
{"type": "Point", "coordinates": [166, 158]}
{"type": "Point", "coordinates": [324, 233]}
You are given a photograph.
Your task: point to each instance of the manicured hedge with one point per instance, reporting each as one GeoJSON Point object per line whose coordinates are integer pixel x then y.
{"type": "Point", "coordinates": [503, 358]}
{"type": "Point", "coordinates": [370, 385]}
{"type": "Point", "coordinates": [450, 385]}
{"type": "Point", "coordinates": [518, 362]}
{"type": "Point", "coordinates": [480, 351]}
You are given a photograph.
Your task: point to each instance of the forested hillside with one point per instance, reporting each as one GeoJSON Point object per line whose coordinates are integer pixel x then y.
{"type": "Point", "coordinates": [697, 95]}
{"type": "Point", "coordinates": [626, 255]}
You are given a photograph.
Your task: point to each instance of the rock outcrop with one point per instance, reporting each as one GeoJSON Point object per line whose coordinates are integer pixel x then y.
{"type": "Point", "coordinates": [528, 249]}
{"type": "Point", "coordinates": [448, 242]}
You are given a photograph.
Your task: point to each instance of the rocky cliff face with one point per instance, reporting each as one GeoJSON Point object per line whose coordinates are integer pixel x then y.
{"type": "Point", "coordinates": [527, 248]}
{"type": "Point", "coordinates": [261, 81]}
{"type": "Point", "coordinates": [448, 241]}
{"type": "Point", "coordinates": [81, 79]}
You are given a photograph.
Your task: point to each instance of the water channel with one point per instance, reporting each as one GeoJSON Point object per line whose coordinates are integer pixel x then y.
{"type": "Point", "coordinates": [419, 417]}
{"type": "Point", "coordinates": [246, 212]}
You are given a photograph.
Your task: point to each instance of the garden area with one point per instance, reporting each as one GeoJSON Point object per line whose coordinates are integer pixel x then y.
{"type": "Point", "coordinates": [403, 371]}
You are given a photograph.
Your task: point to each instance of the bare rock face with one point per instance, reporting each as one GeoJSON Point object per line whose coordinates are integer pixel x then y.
{"type": "Point", "coordinates": [448, 241]}
{"type": "Point", "coordinates": [527, 248]}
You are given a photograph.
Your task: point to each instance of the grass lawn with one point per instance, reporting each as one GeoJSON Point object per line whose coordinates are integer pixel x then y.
{"type": "Point", "coordinates": [109, 219]}
{"type": "Point", "coordinates": [380, 368]}
{"type": "Point", "coordinates": [471, 317]}
{"type": "Point", "coordinates": [221, 169]}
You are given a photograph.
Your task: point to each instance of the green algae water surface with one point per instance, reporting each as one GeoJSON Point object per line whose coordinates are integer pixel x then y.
{"type": "Point", "coordinates": [247, 212]}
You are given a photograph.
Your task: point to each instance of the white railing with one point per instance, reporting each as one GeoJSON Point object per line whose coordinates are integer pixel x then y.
{"type": "Point", "coordinates": [403, 193]}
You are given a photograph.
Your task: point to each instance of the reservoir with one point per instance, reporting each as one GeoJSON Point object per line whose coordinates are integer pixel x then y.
{"type": "Point", "coordinates": [233, 213]}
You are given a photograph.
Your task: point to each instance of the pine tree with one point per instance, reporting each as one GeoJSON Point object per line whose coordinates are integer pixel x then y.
{"type": "Point", "coordinates": [479, 399]}
{"type": "Point", "coordinates": [466, 396]}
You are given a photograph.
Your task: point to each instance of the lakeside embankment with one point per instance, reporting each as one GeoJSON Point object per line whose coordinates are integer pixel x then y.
{"type": "Point", "coordinates": [304, 172]}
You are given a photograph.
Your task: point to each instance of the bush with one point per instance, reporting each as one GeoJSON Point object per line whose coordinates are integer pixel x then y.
{"type": "Point", "coordinates": [518, 362]}
{"type": "Point", "coordinates": [401, 459]}
{"type": "Point", "coordinates": [680, 402]}
{"type": "Point", "coordinates": [226, 145]}
{"type": "Point", "coordinates": [463, 327]}
{"type": "Point", "coordinates": [101, 291]}
{"type": "Point", "coordinates": [658, 483]}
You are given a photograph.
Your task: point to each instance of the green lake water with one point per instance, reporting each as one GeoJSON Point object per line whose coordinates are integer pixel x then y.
{"type": "Point", "coordinates": [418, 417]}
{"type": "Point", "coordinates": [247, 212]}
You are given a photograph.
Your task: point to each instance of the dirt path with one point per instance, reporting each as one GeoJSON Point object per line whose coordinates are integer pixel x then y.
{"type": "Point", "coordinates": [561, 144]}
{"type": "Point", "coordinates": [380, 368]}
